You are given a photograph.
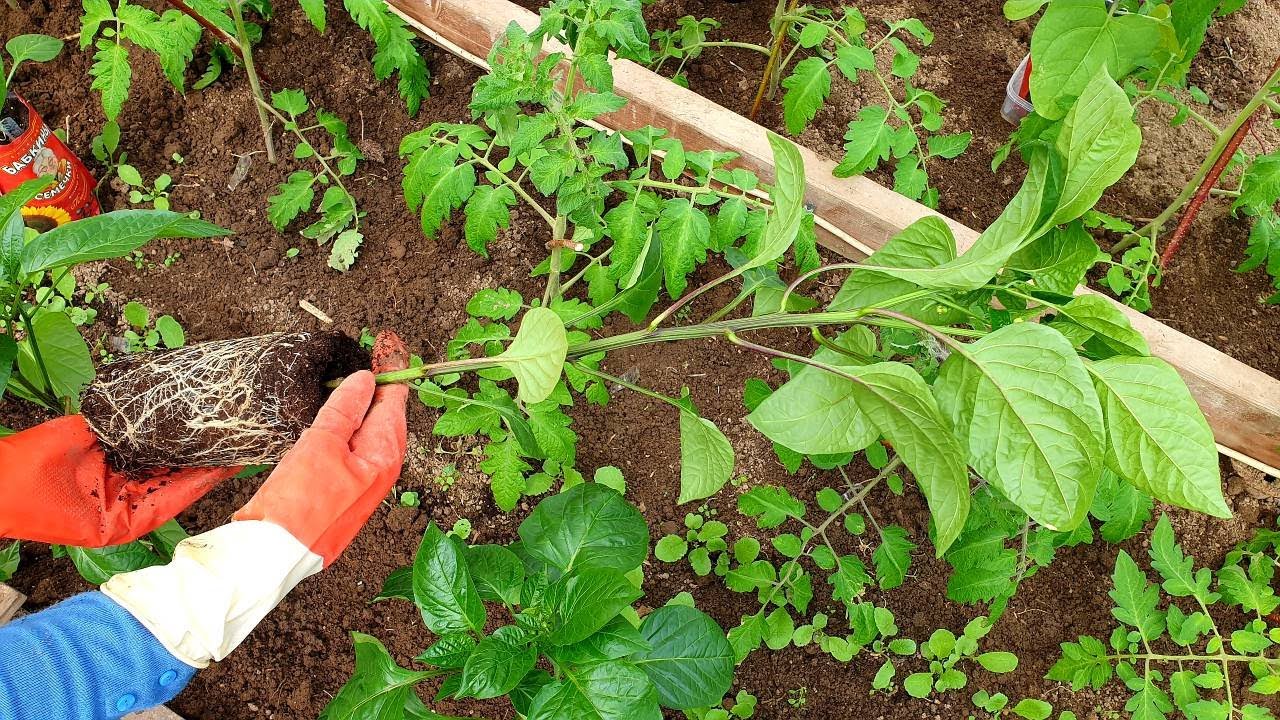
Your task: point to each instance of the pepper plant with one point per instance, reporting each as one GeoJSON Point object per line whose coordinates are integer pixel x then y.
{"type": "Point", "coordinates": [1174, 654]}
{"type": "Point", "coordinates": [575, 648]}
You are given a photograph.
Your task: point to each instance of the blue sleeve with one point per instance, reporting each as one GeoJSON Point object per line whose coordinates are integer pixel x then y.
{"type": "Point", "coordinates": [85, 658]}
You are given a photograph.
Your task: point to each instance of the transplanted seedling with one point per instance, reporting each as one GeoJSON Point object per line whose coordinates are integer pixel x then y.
{"type": "Point", "coordinates": [575, 647]}
{"type": "Point", "coordinates": [144, 335]}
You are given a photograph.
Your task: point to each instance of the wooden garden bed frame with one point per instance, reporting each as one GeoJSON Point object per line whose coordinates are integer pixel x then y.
{"type": "Point", "coordinates": [855, 216]}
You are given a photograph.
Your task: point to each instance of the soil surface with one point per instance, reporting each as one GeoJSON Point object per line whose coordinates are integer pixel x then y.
{"type": "Point", "coordinates": [249, 284]}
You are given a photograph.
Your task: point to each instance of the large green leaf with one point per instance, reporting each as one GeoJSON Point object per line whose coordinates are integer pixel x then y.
{"type": "Point", "coordinates": [1096, 323]}
{"type": "Point", "coordinates": [706, 458]}
{"type": "Point", "coordinates": [788, 206]}
{"type": "Point", "coordinates": [585, 601]}
{"type": "Point", "coordinates": [1098, 143]}
{"type": "Point", "coordinates": [613, 690]}
{"type": "Point", "coordinates": [689, 659]}
{"type": "Point", "coordinates": [685, 233]}
{"type": "Point", "coordinates": [442, 586]}
{"type": "Point", "coordinates": [1058, 261]}
{"type": "Point", "coordinates": [109, 235]}
{"type": "Point", "coordinates": [537, 354]}
{"type": "Point", "coordinates": [900, 405]}
{"type": "Point", "coordinates": [587, 526]}
{"type": "Point", "coordinates": [8, 357]}
{"type": "Point", "coordinates": [497, 664]}
{"type": "Point", "coordinates": [98, 565]}
{"type": "Point", "coordinates": [1157, 437]}
{"type": "Point", "coordinates": [12, 241]}
{"type": "Point", "coordinates": [496, 572]}
{"type": "Point", "coordinates": [1077, 38]}
{"type": "Point", "coordinates": [815, 412]}
{"type": "Point", "coordinates": [378, 689]}
{"type": "Point", "coordinates": [804, 91]}
{"type": "Point", "coordinates": [1022, 403]}
{"type": "Point", "coordinates": [925, 243]}
{"type": "Point", "coordinates": [66, 356]}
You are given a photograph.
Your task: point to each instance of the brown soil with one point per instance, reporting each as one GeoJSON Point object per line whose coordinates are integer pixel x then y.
{"type": "Point", "coordinates": [301, 654]}
{"type": "Point", "coordinates": [245, 401]}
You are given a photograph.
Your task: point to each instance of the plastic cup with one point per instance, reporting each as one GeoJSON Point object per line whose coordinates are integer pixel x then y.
{"type": "Point", "coordinates": [1017, 93]}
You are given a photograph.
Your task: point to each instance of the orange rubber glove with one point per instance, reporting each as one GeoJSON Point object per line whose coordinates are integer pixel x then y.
{"type": "Point", "coordinates": [331, 481]}
{"type": "Point", "coordinates": [57, 486]}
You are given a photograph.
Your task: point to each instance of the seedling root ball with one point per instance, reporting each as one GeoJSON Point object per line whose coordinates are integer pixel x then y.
{"type": "Point", "coordinates": [215, 404]}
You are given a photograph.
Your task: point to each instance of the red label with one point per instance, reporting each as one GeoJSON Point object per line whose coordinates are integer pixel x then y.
{"type": "Point", "coordinates": [39, 152]}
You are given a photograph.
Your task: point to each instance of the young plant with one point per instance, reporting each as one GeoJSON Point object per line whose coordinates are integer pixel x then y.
{"type": "Point", "coordinates": [742, 706]}
{"type": "Point", "coordinates": [140, 191]}
{"type": "Point", "coordinates": [339, 216]}
{"type": "Point", "coordinates": [105, 147]}
{"type": "Point", "coordinates": [569, 586]}
{"type": "Point", "coordinates": [114, 31]}
{"type": "Point", "coordinates": [903, 129]}
{"type": "Point", "coordinates": [1170, 657]}
{"type": "Point", "coordinates": [43, 358]}
{"type": "Point", "coordinates": [26, 48]}
{"type": "Point", "coordinates": [395, 54]}
{"type": "Point", "coordinates": [997, 706]}
{"type": "Point", "coordinates": [143, 335]}
{"type": "Point", "coordinates": [10, 557]}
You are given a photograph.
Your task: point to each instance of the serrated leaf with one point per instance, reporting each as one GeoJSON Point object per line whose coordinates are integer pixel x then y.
{"type": "Point", "coordinates": [770, 505]}
{"type": "Point", "coordinates": [395, 53]}
{"type": "Point", "coordinates": [293, 197]}
{"type": "Point", "coordinates": [488, 209]}
{"type": "Point", "coordinates": [804, 91]}
{"type": "Point", "coordinates": [892, 557]}
{"type": "Point", "coordinates": [111, 76]}
{"type": "Point", "coordinates": [685, 234]}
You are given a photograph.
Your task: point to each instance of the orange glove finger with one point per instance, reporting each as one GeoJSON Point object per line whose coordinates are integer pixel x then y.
{"type": "Point", "coordinates": [344, 411]}
{"type": "Point", "coordinates": [381, 440]}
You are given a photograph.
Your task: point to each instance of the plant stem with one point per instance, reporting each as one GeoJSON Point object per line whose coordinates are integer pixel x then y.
{"type": "Point", "coordinates": [48, 391]}
{"type": "Point", "coordinates": [775, 50]}
{"type": "Point", "coordinates": [337, 179]}
{"type": "Point", "coordinates": [1218, 158]}
{"type": "Point", "coordinates": [596, 260]}
{"type": "Point", "coordinates": [216, 31]}
{"type": "Point", "coordinates": [602, 375]}
{"type": "Point", "coordinates": [255, 86]}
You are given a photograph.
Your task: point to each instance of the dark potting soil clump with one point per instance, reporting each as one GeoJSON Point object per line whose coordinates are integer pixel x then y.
{"type": "Point", "coordinates": [215, 404]}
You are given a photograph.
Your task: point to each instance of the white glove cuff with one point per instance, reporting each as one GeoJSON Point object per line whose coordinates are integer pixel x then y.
{"type": "Point", "coordinates": [218, 587]}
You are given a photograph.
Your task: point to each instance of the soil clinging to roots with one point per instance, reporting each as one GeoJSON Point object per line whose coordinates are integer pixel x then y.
{"type": "Point", "coordinates": [223, 403]}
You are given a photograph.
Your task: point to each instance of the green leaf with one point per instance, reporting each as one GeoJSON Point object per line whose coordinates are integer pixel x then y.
{"type": "Point", "coordinates": [537, 354]}
{"type": "Point", "coordinates": [852, 58]}
{"type": "Point", "coordinates": [171, 333]}
{"type": "Point", "coordinates": [292, 198]}
{"type": "Point", "coordinates": [1033, 709]}
{"type": "Point", "coordinates": [488, 209]}
{"type": "Point", "coordinates": [1260, 186]}
{"type": "Point", "coordinates": [498, 304]}
{"type": "Point", "coordinates": [110, 235]}
{"type": "Point", "coordinates": [804, 91]}
{"type": "Point", "coordinates": [111, 76]}
{"type": "Point", "coordinates": [398, 585]}
{"type": "Point", "coordinates": [892, 557]}
{"type": "Point", "coordinates": [587, 526]}
{"type": "Point", "coordinates": [1136, 599]}
{"type": "Point", "coordinates": [900, 405]}
{"type": "Point", "coordinates": [1082, 664]}
{"type": "Point", "coordinates": [345, 249]}
{"type": "Point", "coordinates": [396, 52]}
{"type": "Point", "coordinates": [98, 565]}
{"type": "Point", "coordinates": [33, 47]}
{"type": "Point", "coordinates": [1251, 591]}
{"type": "Point", "coordinates": [1077, 39]}
{"type": "Point", "coordinates": [1058, 261]}
{"type": "Point", "coordinates": [918, 685]}
{"type": "Point", "coordinates": [1122, 508]}
{"type": "Point", "coordinates": [1022, 9]}
{"type": "Point", "coordinates": [314, 10]}
{"type": "Point", "coordinates": [1158, 438]}
{"type": "Point", "coordinates": [377, 689]}
{"type": "Point", "coordinates": [10, 556]}
{"type": "Point", "coordinates": [1021, 400]}
{"type": "Point", "coordinates": [1100, 320]}
{"type": "Point", "coordinates": [816, 412]}
{"type": "Point", "coordinates": [998, 662]}
{"type": "Point", "coordinates": [613, 690]}
{"type": "Point", "coordinates": [293, 102]}
{"type": "Point", "coordinates": [442, 586]}
{"type": "Point", "coordinates": [670, 548]}
{"type": "Point", "coordinates": [585, 601]}
{"type": "Point", "coordinates": [505, 464]}
{"type": "Point", "coordinates": [779, 628]}
{"type": "Point", "coordinates": [497, 664]}
{"type": "Point", "coordinates": [689, 660]}
{"type": "Point", "coordinates": [497, 573]}
{"type": "Point", "coordinates": [65, 354]}
{"type": "Point", "coordinates": [706, 458]}
{"type": "Point", "coordinates": [866, 142]}
{"type": "Point", "coordinates": [136, 314]}
{"type": "Point", "coordinates": [770, 505]}
{"type": "Point", "coordinates": [949, 146]}
{"type": "Point", "coordinates": [685, 234]}
{"type": "Point", "coordinates": [788, 210]}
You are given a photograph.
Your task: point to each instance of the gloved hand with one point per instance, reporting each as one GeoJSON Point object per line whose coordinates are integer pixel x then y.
{"type": "Point", "coordinates": [57, 486]}
{"type": "Point", "coordinates": [221, 584]}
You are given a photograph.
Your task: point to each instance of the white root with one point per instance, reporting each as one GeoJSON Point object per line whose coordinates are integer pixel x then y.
{"type": "Point", "coordinates": [211, 404]}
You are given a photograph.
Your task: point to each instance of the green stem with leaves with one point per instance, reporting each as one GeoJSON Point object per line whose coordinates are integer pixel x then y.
{"type": "Point", "coordinates": [255, 86]}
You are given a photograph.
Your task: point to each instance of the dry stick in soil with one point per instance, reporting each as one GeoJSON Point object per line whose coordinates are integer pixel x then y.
{"type": "Point", "coordinates": [775, 51]}
{"type": "Point", "coordinates": [1244, 124]}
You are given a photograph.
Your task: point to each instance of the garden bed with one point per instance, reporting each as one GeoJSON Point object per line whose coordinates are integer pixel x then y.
{"type": "Point", "coordinates": [301, 654]}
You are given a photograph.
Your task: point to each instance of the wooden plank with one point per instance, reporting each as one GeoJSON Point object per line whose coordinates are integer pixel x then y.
{"type": "Point", "coordinates": [856, 215]}
{"type": "Point", "coordinates": [10, 603]}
